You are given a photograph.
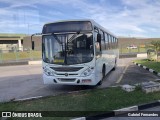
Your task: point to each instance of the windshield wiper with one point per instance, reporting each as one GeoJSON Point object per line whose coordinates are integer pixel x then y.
{"type": "Point", "coordinates": [61, 43]}
{"type": "Point", "coordinates": [63, 50]}
{"type": "Point", "coordinates": [73, 36]}
{"type": "Point", "coordinates": [57, 38]}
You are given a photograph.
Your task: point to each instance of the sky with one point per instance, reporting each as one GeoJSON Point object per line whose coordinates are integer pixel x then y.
{"type": "Point", "coordinates": [129, 18]}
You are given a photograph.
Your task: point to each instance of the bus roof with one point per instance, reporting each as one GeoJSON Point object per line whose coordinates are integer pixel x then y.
{"type": "Point", "coordinates": [91, 20]}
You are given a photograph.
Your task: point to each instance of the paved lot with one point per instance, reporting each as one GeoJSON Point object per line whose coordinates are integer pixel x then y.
{"type": "Point", "coordinates": [135, 74]}
{"type": "Point", "coordinates": [26, 80]}
{"type": "Point", "coordinates": [128, 73]}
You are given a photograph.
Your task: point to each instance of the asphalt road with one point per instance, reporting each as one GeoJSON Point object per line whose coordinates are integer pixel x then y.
{"type": "Point", "coordinates": [17, 82]}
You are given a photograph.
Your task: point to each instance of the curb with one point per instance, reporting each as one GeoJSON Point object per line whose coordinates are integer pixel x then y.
{"type": "Point", "coordinates": [38, 62]}
{"type": "Point", "coordinates": [71, 92]}
{"type": "Point", "coordinates": [30, 98]}
{"type": "Point", "coordinates": [118, 112]}
{"type": "Point", "coordinates": [14, 63]}
{"type": "Point", "coordinates": [59, 94]}
{"type": "Point", "coordinates": [37, 97]}
{"type": "Point", "coordinates": [150, 70]}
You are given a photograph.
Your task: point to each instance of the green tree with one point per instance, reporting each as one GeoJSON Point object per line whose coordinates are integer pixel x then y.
{"type": "Point", "coordinates": [156, 47]}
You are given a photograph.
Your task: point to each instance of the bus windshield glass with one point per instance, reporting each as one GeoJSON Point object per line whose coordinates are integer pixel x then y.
{"type": "Point", "coordinates": [69, 26]}
{"type": "Point", "coordinates": [67, 49]}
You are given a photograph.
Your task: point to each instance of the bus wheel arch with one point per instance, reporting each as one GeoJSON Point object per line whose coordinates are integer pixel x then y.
{"type": "Point", "coordinates": [103, 74]}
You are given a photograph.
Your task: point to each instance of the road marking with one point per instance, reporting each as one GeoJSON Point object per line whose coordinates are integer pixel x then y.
{"type": "Point", "coordinates": [120, 78]}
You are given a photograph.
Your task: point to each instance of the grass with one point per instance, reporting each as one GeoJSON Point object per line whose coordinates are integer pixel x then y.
{"type": "Point", "coordinates": [20, 55]}
{"type": "Point", "coordinates": [138, 50]}
{"type": "Point", "coordinates": [93, 100]}
{"type": "Point", "coordinates": [150, 64]}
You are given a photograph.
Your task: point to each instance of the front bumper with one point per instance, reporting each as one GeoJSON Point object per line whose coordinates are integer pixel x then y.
{"type": "Point", "coordinates": [74, 80]}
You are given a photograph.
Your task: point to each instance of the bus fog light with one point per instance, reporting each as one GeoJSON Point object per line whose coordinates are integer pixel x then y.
{"type": "Point", "coordinates": [78, 81]}
{"type": "Point", "coordinates": [54, 80]}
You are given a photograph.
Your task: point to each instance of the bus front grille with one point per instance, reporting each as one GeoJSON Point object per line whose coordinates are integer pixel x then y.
{"type": "Point", "coordinates": [67, 79]}
{"type": "Point", "coordinates": [66, 69]}
{"type": "Point", "coordinates": [63, 74]}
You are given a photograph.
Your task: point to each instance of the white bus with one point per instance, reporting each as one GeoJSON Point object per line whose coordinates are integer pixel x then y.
{"type": "Point", "coordinates": [77, 52]}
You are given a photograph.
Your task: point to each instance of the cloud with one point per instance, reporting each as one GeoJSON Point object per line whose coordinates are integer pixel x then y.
{"type": "Point", "coordinates": [134, 17]}
{"type": "Point", "coordinates": [130, 19]}
{"type": "Point", "coordinates": [19, 15]}
{"type": "Point", "coordinates": [110, 17]}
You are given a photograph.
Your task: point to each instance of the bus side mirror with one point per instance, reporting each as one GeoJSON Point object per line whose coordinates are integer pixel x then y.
{"type": "Point", "coordinates": [99, 38]}
{"type": "Point", "coordinates": [32, 42]}
{"type": "Point", "coordinates": [32, 45]}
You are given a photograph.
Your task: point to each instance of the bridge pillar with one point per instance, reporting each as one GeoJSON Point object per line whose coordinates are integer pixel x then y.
{"type": "Point", "coordinates": [20, 47]}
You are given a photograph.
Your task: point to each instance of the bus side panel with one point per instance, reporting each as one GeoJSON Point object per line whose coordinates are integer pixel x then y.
{"type": "Point", "coordinates": [109, 58]}
{"type": "Point", "coordinates": [106, 61]}
{"type": "Point", "coordinates": [98, 69]}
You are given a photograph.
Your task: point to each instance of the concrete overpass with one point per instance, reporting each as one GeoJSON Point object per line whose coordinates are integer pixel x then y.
{"type": "Point", "coordinates": [9, 42]}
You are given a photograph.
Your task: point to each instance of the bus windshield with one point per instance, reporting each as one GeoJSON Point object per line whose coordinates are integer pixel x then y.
{"type": "Point", "coordinates": [67, 49]}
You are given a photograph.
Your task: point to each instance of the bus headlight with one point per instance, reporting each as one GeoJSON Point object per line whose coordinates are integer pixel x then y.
{"type": "Point", "coordinates": [48, 72]}
{"type": "Point", "coordinates": [87, 72]}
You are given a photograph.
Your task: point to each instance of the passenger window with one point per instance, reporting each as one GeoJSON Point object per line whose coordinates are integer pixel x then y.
{"type": "Point", "coordinates": [97, 46]}
{"type": "Point", "coordinates": [113, 42]}
{"type": "Point", "coordinates": [103, 46]}
{"type": "Point", "coordinates": [106, 41]}
{"type": "Point", "coordinates": [110, 41]}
